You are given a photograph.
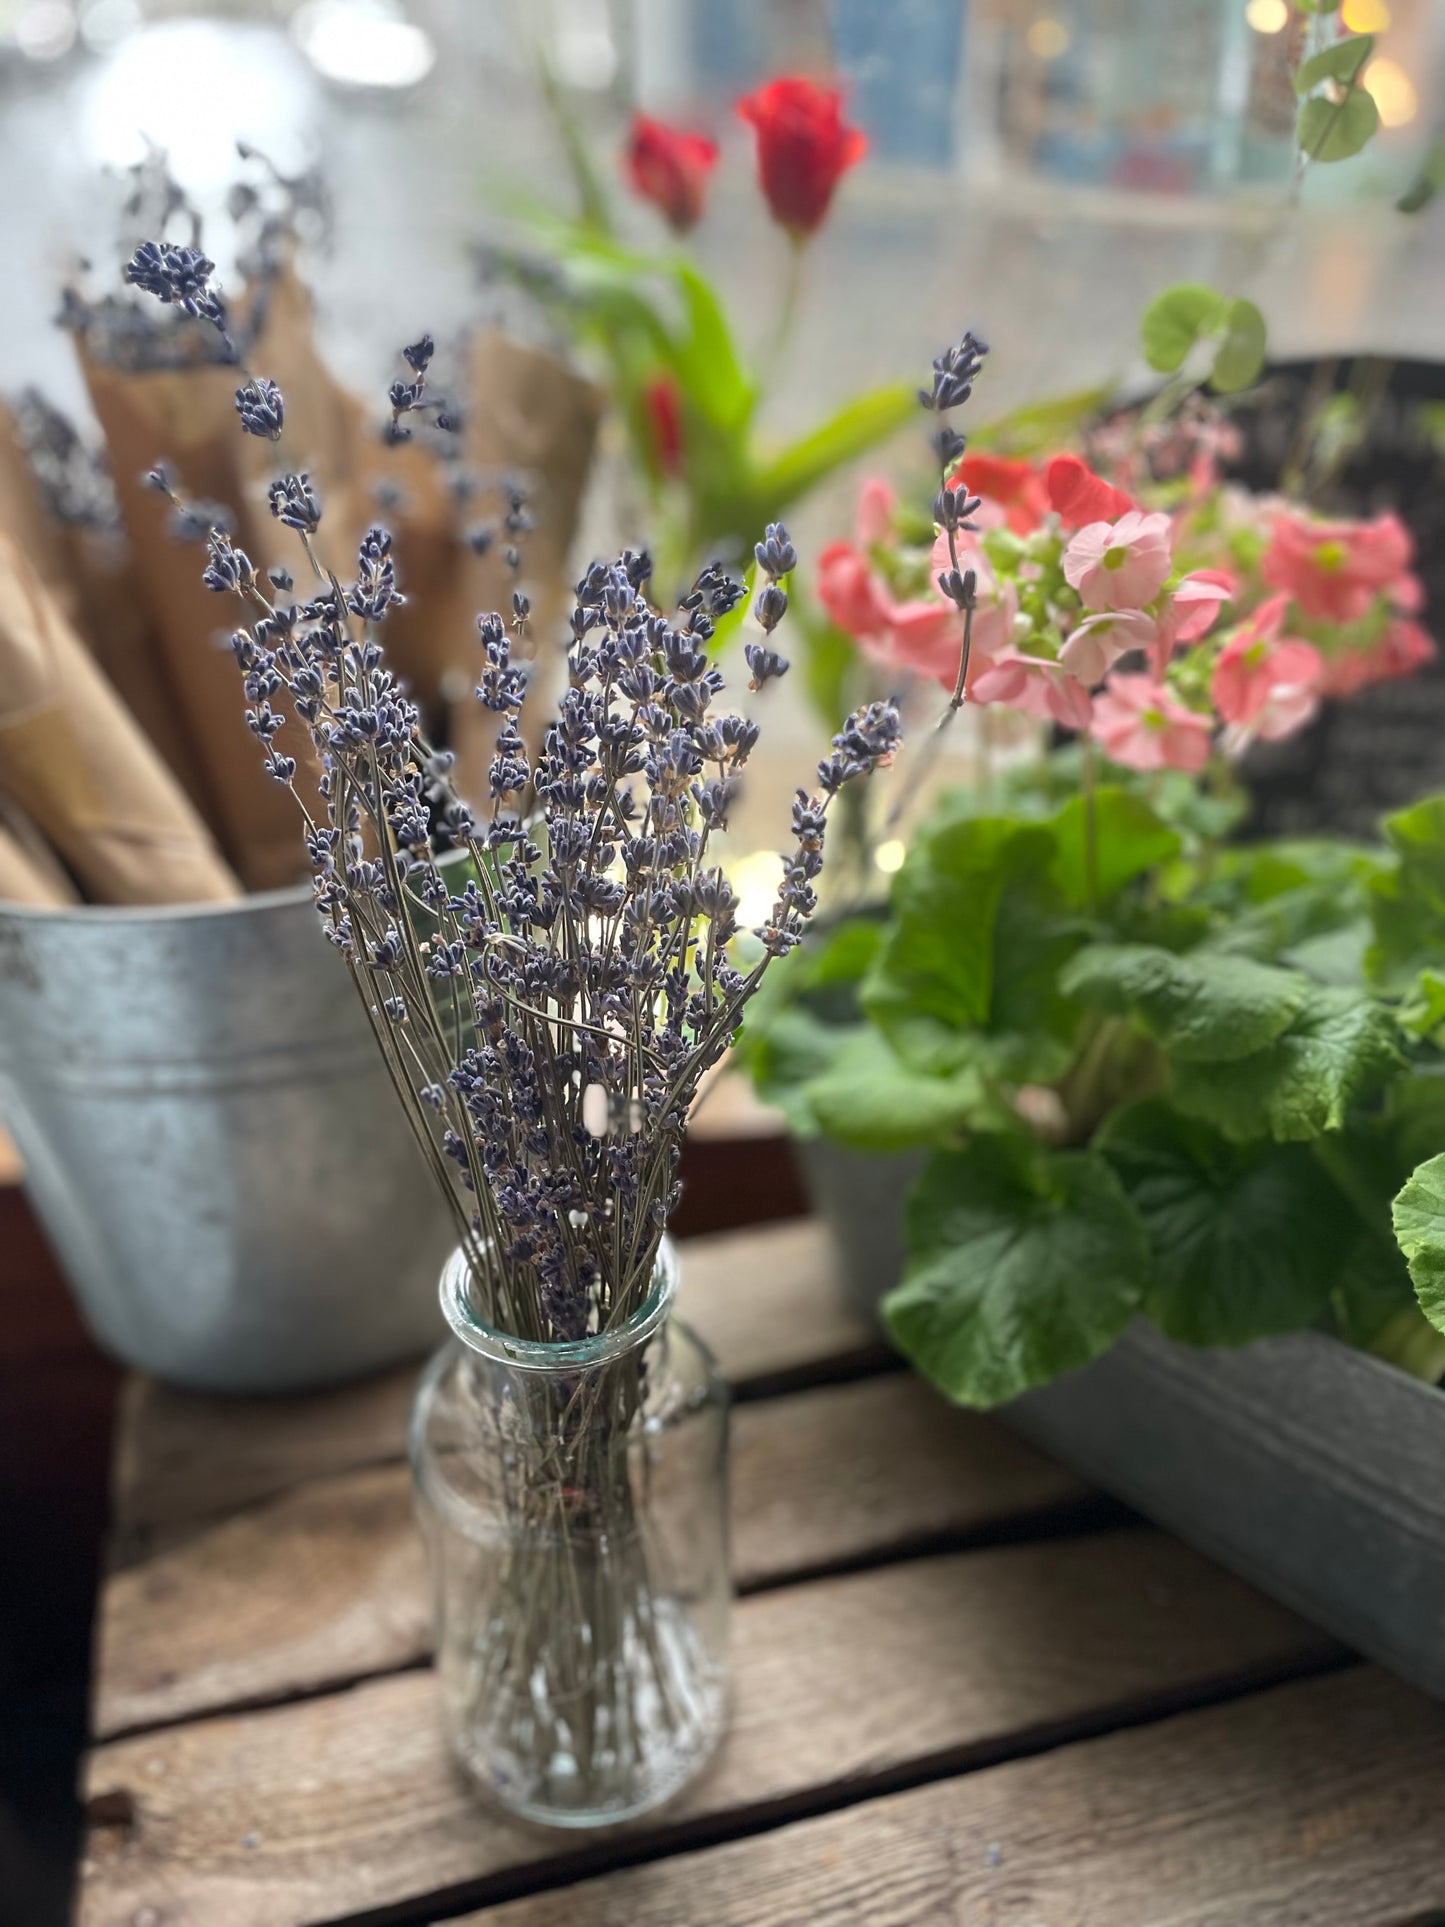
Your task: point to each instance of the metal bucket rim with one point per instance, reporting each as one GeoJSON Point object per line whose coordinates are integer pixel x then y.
{"type": "Point", "coordinates": [256, 902]}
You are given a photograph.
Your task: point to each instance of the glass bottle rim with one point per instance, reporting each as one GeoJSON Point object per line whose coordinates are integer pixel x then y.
{"type": "Point", "coordinates": [556, 1355]}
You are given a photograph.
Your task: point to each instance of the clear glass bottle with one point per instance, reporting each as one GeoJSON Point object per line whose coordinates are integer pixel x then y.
{"type": "Point", "coordinates": [573, 1500]}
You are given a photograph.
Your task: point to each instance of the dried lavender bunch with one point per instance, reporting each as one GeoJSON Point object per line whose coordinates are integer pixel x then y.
{"type": "Point", "coordinates": [547, 1007]}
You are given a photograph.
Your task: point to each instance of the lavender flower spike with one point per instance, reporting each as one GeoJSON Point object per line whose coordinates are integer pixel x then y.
{"type": "Point", "coordinates": [178, 276]}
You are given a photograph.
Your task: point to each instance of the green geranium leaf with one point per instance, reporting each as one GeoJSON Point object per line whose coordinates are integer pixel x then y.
{"type": "Point", "coordinates": [945, 903]}
{"type": "Point", "coordinates": [1240, 355]}
{"type": "Point", "coordinates": [786, 1054]}
{"type": "Point", "coordinates": [1343, 61]}
{"type": "Point", "coordinates": [1407, 903]}
{"type": "Point", "coordinates": [1340, 1045]}
{"type": "Point", "coordinates": [1175, 320]}
{"type": "Point", "coordinates": [1419, 1215]}
{"type": "Point", "coordinates": [977, 939]}
{"type": "Point", "coordinates": [1246, 1240]}
{"type": "Point", "coordinates": [1336, 130]}
{"type": "Point", "coordinates": [1201, 1007]}
{"type": "Point", "coordinates": [1129, 840]}
{"type": "Point", "coordinates": [870, 1099]}
{"type": "Point", "coordinates": [1022, 1265]}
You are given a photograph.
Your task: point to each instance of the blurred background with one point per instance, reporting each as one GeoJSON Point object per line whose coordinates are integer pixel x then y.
{"type": "Point", "coordinates": [1040, 167]}
{"type": "Point", "coordinates": [1039, 170]}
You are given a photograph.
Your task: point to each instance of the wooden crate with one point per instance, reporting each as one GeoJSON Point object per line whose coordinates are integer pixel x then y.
{"type": "Point", "coordinates": [968, 1689]}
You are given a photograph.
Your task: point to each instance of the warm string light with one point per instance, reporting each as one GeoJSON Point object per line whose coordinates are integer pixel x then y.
{"type": "Point", "coordinates": [1267, 16]}
{"type": "Point", "coordinates": [1392, 91]}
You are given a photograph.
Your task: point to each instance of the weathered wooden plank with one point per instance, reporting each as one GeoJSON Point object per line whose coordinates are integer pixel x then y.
{"type": "Point", "coordinates": [308, 1812]}
{"type": "Point", "coordinates": [1315, 1805]}
{"type": "Point", "coordinates": [764, 1300]}
{"type": "Point", "coordinates": [324, 1584]}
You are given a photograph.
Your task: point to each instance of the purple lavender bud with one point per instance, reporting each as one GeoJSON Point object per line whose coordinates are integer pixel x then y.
{"type": "Point", "coordinates": [262, 411]}
{"type": "Point", "coordinates": [766, 664]}
{"type": "Point", "coordinates": [775, 554]}
{"type": "Point", "coordinates": [954, 373]}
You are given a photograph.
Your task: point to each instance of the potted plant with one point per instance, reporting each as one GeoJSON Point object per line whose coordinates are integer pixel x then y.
{"type": "Point", "coordinates": [1165, 1088]}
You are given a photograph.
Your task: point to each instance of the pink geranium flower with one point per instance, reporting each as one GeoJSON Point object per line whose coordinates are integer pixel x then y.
{"type": "Point", "coordinates": [924, 637]}
{"type": "Point", "coordinates": [1265, 683]}
{"type": "Point", "coordinates": [1191, 612]}
{"type": "Point", "coordinates": [998, 606]}
{"type": "Point", "coordinates": [1099, 641]}
{"type": "Point", "coordinates": [1335, 570]}
{"type": "Point", "coordinates": [849, 590]}
{"type": "Point", "coordinates": [1038, 688]}
{"type": "Point", "coordinates": [1404, 648]}
{"type": "Point", "coordinates": [1139, 724]}
{"type": "Point", "coordinates": [1120, 565]}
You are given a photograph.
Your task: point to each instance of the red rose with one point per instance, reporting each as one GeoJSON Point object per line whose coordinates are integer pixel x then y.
{"type": "Point", "coordinates": [669, 167]}
{"type": "Point", "coordinates": [662, 406]}
{"type": "Point", "coordinates": [804, 148]}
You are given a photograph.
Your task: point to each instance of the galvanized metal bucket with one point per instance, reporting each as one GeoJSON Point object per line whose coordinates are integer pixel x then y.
{"type": "Point", "coordinates": [213, 1145]}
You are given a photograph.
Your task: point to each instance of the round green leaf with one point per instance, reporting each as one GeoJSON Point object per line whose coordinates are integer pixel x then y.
{"type": "Point", "coordinates": [1240, 355]}
{"type": "Point", "coordinates": [1021, 1266]}
{"type": "Point", "coordinates": [1331, 130]}
{"type": "Point", "coordinates": [1177, 319]}
{"type": "Point", "coordinates": [1342, 61]}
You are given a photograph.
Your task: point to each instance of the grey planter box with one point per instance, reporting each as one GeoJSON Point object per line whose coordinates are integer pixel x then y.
{"type": "Point", "coordinates": [1309, 1468]}
{"type": "Point", "coordinates": [1314, 1471]}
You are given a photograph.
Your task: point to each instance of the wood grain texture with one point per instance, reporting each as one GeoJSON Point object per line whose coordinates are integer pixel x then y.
{"type": "Point", "coordinates": [765, 1301]}
{"type": "Point", "coordinates": [312, 1811]}
{"type": "Point", "coordinates": [1315, 1805]}
{"type": "Point", "coordinates": [325, 1584]}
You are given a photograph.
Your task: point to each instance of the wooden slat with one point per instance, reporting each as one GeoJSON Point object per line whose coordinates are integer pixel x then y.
{"type": "Point", "coordinates": [309, 1812]}
{"type": "Point", "coordinates": [325, 1583]}
{"type": "Point", "coordinates": [1316, 1805]}
{"type": "Point", "coordinates": [765, 1301]}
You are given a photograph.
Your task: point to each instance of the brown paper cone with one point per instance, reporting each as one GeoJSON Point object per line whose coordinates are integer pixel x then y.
{"type": "Point", "coordinates": [189, 417]}
{"type": "Point", "coordinates": [29, 872]}
{"type": "Point", "coordinates": [91, 578]}
{"type": "Point", "coordinates": [530, 416]}
{"type": "Point", "coordinates": [74, 761]}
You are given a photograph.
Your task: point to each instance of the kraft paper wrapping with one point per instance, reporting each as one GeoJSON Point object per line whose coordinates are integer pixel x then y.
{"type": "Point", "coordinates": [76, 764]}
{"type": "Point", "coordinates": [29, 871]}
{"type": "Point", "coordinates": [188, 417]}
{"type": "Point", "coordinates": [90, 575]}
{"type": "Point", "coordinates": [530, 416]}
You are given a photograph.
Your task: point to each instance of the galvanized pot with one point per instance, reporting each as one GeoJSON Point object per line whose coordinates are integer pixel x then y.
{"type": "Point", "coordinates": [213, 1144]}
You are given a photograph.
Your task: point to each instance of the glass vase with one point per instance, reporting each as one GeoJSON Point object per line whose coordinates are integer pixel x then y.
{"type": "Point", "coordinates": [573, 1501]}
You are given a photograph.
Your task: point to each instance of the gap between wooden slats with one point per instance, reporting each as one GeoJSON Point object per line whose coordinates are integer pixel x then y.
{"type": "Point", "coordinates": [325, 1584]}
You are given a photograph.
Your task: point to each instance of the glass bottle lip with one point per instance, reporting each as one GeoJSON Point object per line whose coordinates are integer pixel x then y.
{"type": "Point", "coordinates": [560, 1355]}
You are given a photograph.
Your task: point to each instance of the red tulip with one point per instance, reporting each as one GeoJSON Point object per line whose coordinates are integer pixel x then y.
{"type": "Point", "coordinates": [804, 148]}
{"type": "Point", "coordinates": [669, 167]}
